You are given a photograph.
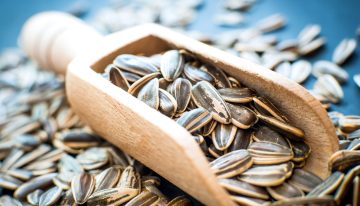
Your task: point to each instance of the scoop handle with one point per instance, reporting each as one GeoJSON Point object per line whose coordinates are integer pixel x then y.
{"type": "Point", "coordinates": [54, 39]}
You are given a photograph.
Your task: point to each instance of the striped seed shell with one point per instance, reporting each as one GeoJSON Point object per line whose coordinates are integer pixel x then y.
{"type": "Point", "coordinates": [139, 84]}
{"type": "Point", "coordinates": [36, 183]}
{"type": "Point", "coordinates": [112, 196]}
{"type": "Point", "coordinates": [206, 96]}
{"type": "Point", "coordinates": [243, 188]}
{"type": "Point", "coordinates": [241, 140]}
{"type": "Point", "coordinates": [180, 89]}
{"type": "Point", "coordinates": [231, 164]}
{"type": "Point", "coordinates": [356, 191]}
{"type": "Point", "coordinates": [354, 145]}
{"type": "Point", "coordinates": [345, 184]}
{"type": "Point", "coordinates": [304, 180]}
{"type": "Point", "coordinates": [301, 150]}
{"type": "Point", "coordinates": [349, 124]}
{"type": "Point", "coordinates": [220, 78]}
{"type": "Point", "coordinates": [167, 103]}
{"type": "Point", "coordinates": [172, 64]}
{"type": "Point", "coordinates": [264, 176]}
{"type": "Point", "coordinates": [323, 67]}
{"type": "Point", "coordinates": [6, 200]}
{"type": "Point", "coordinates": [77, 139]}
{"type": "Point", "coordinates": [117, 78]}
{"type": "Point", "coordinates": [304, 201]}
{"type": "Point", "coordinates": [149, 93]}
{"type": "Point", "coordinates": [130, 178]}
{"type": "Point", "coordinates": [34, 197]}
{"type": "Point", "coordinates": [223, 135]}
{"type": "Point", "coordinates": [282, 126]}
{"type": "Point", "coordinates": [266, 134]}
{"type": "Point", "coordinates": [269, 153]}
{"type": "Point", "coordinates": [144, 198]}
{"type": "Point", "coordinates": [30, 156]}
{"type": "Point", "coordinates": [327, 86]}
{"type": "Point", "coordinates": [209, 128]}
{"type": "Point", "coordinates": [107, 178]}
{"type": "Point", "coordinates": [82, 186]}
{"type": "Point", "coordinates": [344, 50]}
{"type": "Point", "coordinates": [284, 191]}
{"type": "Point", "coordinates": [179, 201]}
{"type": "Point", "coordinates": [311, 47]}
{"type": "Point", "coordinates": [243, 200]}
{"type": "Point", "coordinates": [131, 77]}
{"type": "Point", "coordinates": [242, 116]}
{"type": "Point", "coordinates": [328, 186]}
{"type": "Point", "coordinates": [265, 107]}
{"type": "Point", "coordinates": [93, 158]}
{"type": "Point", "coordinates": [50, 197]}
{"type": "Point", "coordinates": [215, 152]}
{"type": "Point", "coordinates": [195, 74]}
{"type": "Point", "coordinates": [9, 182]}
{"type": "Point", "coordinates": [344, 159]}
{"type": "Point", "coordinates": [194, 119]}
{"type": "Point", "coordinates": [309, 33]}
{"type": "Point", "coordinates": [134, 64]}
{"type": "Point", "coordinates": [237, 95]}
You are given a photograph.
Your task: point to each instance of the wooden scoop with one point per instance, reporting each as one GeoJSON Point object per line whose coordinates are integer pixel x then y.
{"type": "Point", "coordinates": [64, 44]}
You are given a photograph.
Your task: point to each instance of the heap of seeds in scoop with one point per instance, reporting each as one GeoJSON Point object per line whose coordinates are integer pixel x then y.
{"type": "Point", "coordinates": [48, 157]}
{"type": "Point", "coordinates": [252, 148]}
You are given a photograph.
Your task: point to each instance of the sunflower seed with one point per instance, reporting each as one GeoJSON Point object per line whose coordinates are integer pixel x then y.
{"type": "Point", "coordinates": [149, 93]}
{"type": "Point", "coordinates": [34, 197]}
{"type": "Point", "coordinates": [266, 134]}
{"type": "Point", "coordinates": [264, 176]}
{"type": "Point", "coordinates": [223, 136]}
{"type": "Point", "coordinates": [323, 67]}
{"type": "Point", "coordinates": [265, 107]}
{"type": "Point", "coordinates": [93, 158]}
{"type": "Point", "coordinates": [194, 119]}
{"type": "Point", "coordinates": [168, 104]}
{"type": "Point", "coordinates": [231, 164]}
{"type": "Point", "coordinates": [242, 200]}
{"type": "Point", "coordinates": [328, 186]}
{"type": "Point", "coordinates": [303, 201]}
{"type": "Point", "coordinates": [107, 178]}
{"type": "Point", "coordinates": [349, 124]}
{"type": "Point", "coordinates": [284, 191]}
{"type": "Point", "coordinates": [304, 180]}
{"type": "Point", "coordinates": [345, 184]}
{"type": "Point", "coordinates": [195, 74]}
{"type": "Point", "coordinates": [344, 159]}
{"type": "Point", "coordinates": [134, 64]}
{"type": "Point", "coordinates": [172, 64]}
{"type": "Point", "coordinates": [309, 33]}
{"type": "Point", "coordinates": [139, 84]}
{"type": "Point", "coordinates": [356, 191]}
{"type": "Point", "coordinates": [206, 96]}
{"type": "Point", "coordinates": [117, 78]}
{"type": "Point", "coordinates": [301, 151]}
{"type": "Point", "coordinates": [9, 182]}
{"type": "Point", "coordinates": [243, 188]}
{"type": "Point", "coordinates": [269, 153]}
{"type": "Point", "coordinates": [282, 127]}
{"type": "Point", "coordinates": [220, 78]}
{"type": "Point", "coordinates": [271, 23]}
{"type": "Point", "coordinates": [237, 95]}
{"type": "Point", "coordinates": [130, 178]}
{"type": "Point", "coordinates": [180, 89]}
{"type": "Point", "coordinates": [311, 47]}
{"type": "Point", "coordinates": [241, 116]}
{"type": "Point", "coordinates": [209, 128]}
{"type": "Point", "coordinates": [343, 51]}
{"type": "Point", "coordinates": [36, 183]}
{"type": "Point", "coordinates": [241, 140]}
{"type": "Point", "coordinates": [301, 70]}
{"type": "Point", "coordinates": [112, 196]}
{"type": "Point", "coordinates": [179, 201]}
{"type": "Point", "coordinates": [50, 197]}
{"type": "Point", "coordinates": [6, 200]}
{"type": "Point", "coordinates": [42, 149]}
{"type": "Point", "coordinates": [82, 186]}
{"type": "Point", "coordinates": [144, 198]}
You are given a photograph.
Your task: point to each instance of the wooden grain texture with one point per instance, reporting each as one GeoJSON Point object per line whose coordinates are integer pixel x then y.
{"type": "Point", "coordinates": [156, 140]}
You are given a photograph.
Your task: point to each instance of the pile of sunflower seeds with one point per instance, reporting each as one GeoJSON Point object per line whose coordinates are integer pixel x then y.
{"type": "Point", "coordinates": [252, 147]}
{"type": "Point", "coordinates": [49, 157]}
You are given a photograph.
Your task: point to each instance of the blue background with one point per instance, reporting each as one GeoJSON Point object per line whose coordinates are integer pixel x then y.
{"type": "Point", "coordinates": [338, 19]}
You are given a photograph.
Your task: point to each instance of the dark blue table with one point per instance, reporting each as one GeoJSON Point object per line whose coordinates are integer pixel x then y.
{"type": "Point", "coordinates": [338, 18]}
